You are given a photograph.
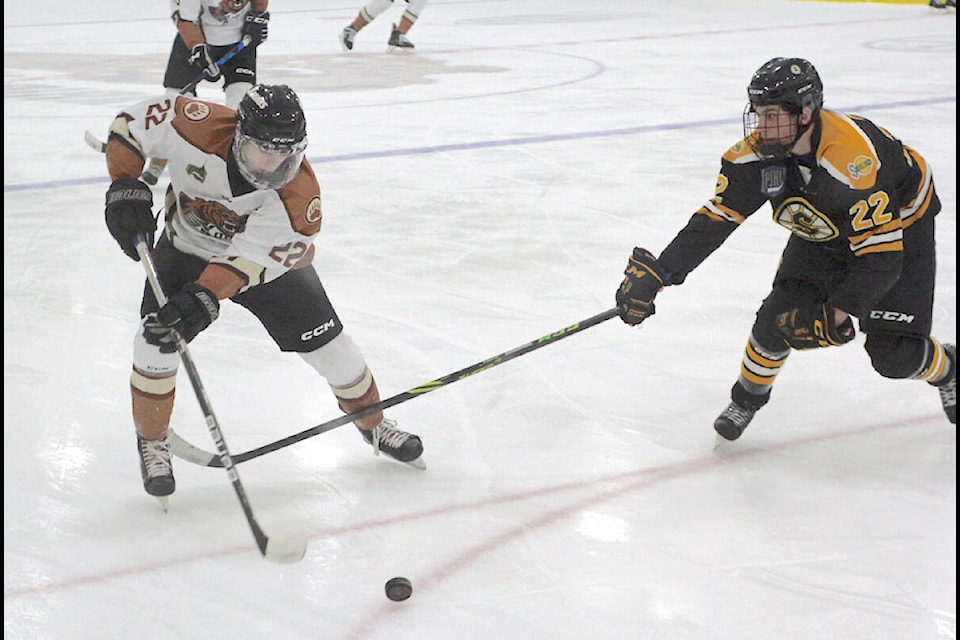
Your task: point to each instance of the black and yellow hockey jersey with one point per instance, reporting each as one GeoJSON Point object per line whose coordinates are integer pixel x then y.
{"type": "Point", "coordinates": [856, 195]}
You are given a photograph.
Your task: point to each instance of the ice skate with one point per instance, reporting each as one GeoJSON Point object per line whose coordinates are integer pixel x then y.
{"type": "Point", "coordinates": [396, 443]}
{"type": "Point", "coordinates": [730, 424]}
{"type": "Point", "coordinates": [156, 469]}
{"type": "Point", "coordinates": [152, 173]}
{"type": "Point", "coordinates": [398, 41]}
{"type": "Point", "coordinates": [948, 390]}
{"type": "Point", "coordinates": [346, 38]}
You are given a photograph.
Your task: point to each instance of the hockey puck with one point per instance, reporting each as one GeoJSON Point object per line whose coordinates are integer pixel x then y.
{"type": "Point", "coordinates": [398, 589]}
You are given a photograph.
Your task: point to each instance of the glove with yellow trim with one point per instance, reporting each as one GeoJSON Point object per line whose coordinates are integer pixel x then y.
{"type": "Point", "coordinates": [814, 327]}
{"type": "Point", "coordinates": [644, 278]}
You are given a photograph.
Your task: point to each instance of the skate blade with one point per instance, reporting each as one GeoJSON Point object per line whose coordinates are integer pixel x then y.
{"type": "Point", "coordinates": [417, 463]}
{"type": "Point", "coordinates": [164, 502]}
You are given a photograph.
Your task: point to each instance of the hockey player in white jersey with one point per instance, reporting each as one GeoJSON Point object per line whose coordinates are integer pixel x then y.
{"type": "Point", "coordinates": [206, 31]}
{"type": "Point", "coordinates": [398, 40]}
{"type": "Point", "coordinates": [242, 211]}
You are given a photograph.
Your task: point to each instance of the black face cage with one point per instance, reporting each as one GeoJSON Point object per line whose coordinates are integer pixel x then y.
{"type": "Point", "coordinates": [751, 121]}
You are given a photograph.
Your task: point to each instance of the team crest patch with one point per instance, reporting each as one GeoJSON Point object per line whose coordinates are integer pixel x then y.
{"type": "Point", "coordinates": [773, 180]}
{"type": "Point", "coordinates": [802, 219]}
{"type": "Point", "coordinates": [196, 111]}
{"type": "Point", "coordinates": [313, 213]}
{"type": "Point", "coordinates": [861, 166]}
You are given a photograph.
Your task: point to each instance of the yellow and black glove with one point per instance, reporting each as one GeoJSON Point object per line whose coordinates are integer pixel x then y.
{"type": "Point", "coordinates": [644, 278]}
{"type": "Point", "coordinates": [814, 327]}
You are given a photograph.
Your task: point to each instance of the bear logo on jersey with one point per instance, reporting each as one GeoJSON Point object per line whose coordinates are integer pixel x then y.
{"type": "Point", "coordinates": [799, 216]}
{"type": "Point", "coordinates": [196, 111]}
{"type": "Point", "coordinates": [212, 218]}
{"type": "Point", "coordinates": [313, 214]}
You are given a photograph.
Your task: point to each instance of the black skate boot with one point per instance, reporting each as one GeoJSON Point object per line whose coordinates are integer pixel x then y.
{"type": "Point", "coordinates": [156, 468]}
{"type": "Point", "coordinates": [396, 443]}
{"type": "Point", "coordinates": [948, 388]}
{"type": "Point", "coordinates": [152, 173]}
{"type": "Point", "coordinates": [734, 419]}
{"type": "Point", "coordinates": [730, 424]}
{"type": "Point", "coordinates": [398, 41]}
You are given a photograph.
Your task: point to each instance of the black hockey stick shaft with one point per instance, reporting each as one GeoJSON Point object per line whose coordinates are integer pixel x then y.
{"type": "Point", "coordinates": [101, 146]}
{"type": "Point", "coordinates": [272, 552]}
{"type": "Point", "coordinates": [185, 450]}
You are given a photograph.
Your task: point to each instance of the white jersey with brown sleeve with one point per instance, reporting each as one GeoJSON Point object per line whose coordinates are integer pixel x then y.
{"type": "Point", "coordinates": [220, 21]}
{"type": "Point", "coordinates": [211, 211]}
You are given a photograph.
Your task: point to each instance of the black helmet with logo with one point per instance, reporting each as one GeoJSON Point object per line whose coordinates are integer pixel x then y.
{"type": "Point", "coordinates": [792, 82]}
{"type": "Point", "coordinates": [271, 135]}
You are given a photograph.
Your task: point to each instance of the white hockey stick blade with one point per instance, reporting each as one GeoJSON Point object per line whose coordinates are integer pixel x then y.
{"type": "Point", "coordinates": [94, 142]}
{"type": "Point", "coordinates": [186, 451]}
{"type": "Point", "coordinates": [286, 550]}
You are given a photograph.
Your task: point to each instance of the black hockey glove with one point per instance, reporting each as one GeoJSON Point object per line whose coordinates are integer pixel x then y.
{"type": "Point", "coordinates": [644, 280]}
{"type": "Point", "coordinates": [201, 59]}
{"type": "Point", "coordinates": [189, 312]}
{"type": "Point", "coordinates": [255, 26]}
{"type": "Point", "coordinates": [814, 327]}
{"type": "Point", "coordinates": [128, 213]}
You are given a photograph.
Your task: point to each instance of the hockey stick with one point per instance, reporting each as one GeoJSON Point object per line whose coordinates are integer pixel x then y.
{"type": "Point", "coordinates": [285, 550]}
{"type": "Point", "coordinates": [97, 144]}
{"type": "Point", "coordinates": [183, 449]}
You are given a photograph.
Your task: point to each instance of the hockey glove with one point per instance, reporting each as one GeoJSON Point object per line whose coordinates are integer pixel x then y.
{"type": "Point", "coordinates": [255, 26]}
{"type": "Point", "coordinates": [814, 327]}
{"type": "Point", "coordinates": [128, 213]}
{"type": "Point", "coordinates": [201, 59]}
{"type": "Point", "coordinates": [644, 280]}
{"type": "Point", "coordinates": [189, 312]}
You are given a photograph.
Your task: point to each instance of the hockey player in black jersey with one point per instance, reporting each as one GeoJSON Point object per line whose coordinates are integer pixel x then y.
{"type": "Point", "coordinates": [860, 206]}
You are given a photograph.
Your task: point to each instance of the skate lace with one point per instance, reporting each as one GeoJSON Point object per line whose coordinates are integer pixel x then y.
{"type": "Point", "coordinates": [387, 435]}
{"type": "Point", "coordinates": [948, 393]}
{"type": "Point", "coordinates": [739, 415]}
{"type": "Point", "coordinates": [156, 457]}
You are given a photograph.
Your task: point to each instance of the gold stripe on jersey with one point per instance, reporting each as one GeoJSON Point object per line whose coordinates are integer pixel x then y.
{"type": "Point", "coordinates": [888, 237]}
{"type": "Point", "coordinates": [914, 210]}
{"type": "Point", "coordinates": [248, 272]}
{"type": "Point", "coordinates": [846, 152]}
{"type": "Point", "coordinates": [717, 212]}
{"type": "Point", "coordinates": [742, 152]}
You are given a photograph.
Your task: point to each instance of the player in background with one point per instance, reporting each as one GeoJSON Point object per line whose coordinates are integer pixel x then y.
{"type": "Point", "coordinates": [861, 208]}
{"type": "Point", "coordinates": [206, 30]}
{"type": "Point", "coordinates": [398, 34]}
{"type": "Point", "coordinates": [242, 212]}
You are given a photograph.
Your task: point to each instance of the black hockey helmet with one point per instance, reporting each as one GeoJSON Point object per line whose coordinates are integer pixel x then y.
{"type": "Point", "coordinates": [791, 82]}
{"type": "Point", "coordinates": [271, 135]}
